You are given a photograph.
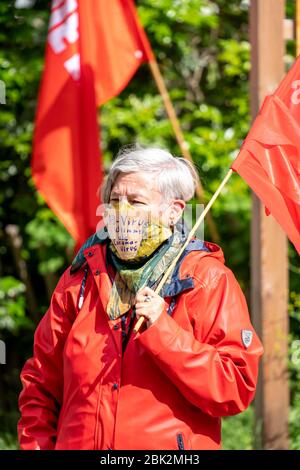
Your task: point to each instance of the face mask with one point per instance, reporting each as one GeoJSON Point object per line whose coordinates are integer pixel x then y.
{"type": "Point", "coordinates": [134, 232]}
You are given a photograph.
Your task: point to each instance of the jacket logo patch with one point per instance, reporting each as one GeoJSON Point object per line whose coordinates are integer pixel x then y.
{"type": "Point", "coordinates": [247, 336]}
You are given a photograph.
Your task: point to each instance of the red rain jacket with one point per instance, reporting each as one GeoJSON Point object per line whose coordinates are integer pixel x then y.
{"type": "Point", "coordinates": [174, 382]}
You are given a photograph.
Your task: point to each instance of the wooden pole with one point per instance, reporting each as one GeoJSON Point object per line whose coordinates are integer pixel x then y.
{"type": "Point", "coordinates": [180, 138]}
{"type": "Point", "coordinates": [269, 256]}
{"type": "Point", "coordinates": [192, 232]}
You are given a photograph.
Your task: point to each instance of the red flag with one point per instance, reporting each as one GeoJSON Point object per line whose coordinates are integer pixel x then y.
{"type": "Point", "coordinates": [93, 49]}
{"type": "Point", "coordinates": [116, 44]}
{"type": "Point", "coordinates": [269, 160]}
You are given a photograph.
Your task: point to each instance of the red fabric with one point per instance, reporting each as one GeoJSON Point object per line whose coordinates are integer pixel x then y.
{"type": "Point", "coordinates": [179, 376]}
{"type": "Point", "coordinates": [269, 160]}
{"type": "Point", "coordinates": [117, 44]}
{"type": "Point", "coordinates": [93, 49]}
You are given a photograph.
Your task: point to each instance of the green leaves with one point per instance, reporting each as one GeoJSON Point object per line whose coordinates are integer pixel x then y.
{"type": "Point", "coordinates": [48, 240]}
{"type": "Point", "coordinates": [12, 305]}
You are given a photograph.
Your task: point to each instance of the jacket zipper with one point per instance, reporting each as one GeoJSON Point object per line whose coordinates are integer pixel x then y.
{"type": "Point", "coordinates": [82, 288]}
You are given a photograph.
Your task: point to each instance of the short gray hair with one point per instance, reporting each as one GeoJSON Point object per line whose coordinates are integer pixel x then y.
{"type": "Point", "coordinates": [176, 177]}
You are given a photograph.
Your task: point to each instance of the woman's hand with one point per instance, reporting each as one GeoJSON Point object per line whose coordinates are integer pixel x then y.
{"type": "Point", "coordinates": [152, 309]}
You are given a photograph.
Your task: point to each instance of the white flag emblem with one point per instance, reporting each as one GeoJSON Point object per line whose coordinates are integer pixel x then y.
{"type": "Point", "coordinates": [247, 336]}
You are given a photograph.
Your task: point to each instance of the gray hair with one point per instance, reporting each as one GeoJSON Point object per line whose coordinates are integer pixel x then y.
{"type": "Point", "coordinates": [176, 177]}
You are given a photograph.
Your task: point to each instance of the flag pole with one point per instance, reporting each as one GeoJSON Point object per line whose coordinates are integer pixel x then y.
{"type": "Point", "coordinates": [180, 137]}
{"type": "Point", "coordinates": [192, 232]}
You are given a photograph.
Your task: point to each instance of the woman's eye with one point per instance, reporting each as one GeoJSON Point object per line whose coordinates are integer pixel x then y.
{"type": "Point", "coordinates": [138, 202]}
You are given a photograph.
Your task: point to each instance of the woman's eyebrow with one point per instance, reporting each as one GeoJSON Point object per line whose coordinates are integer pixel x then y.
{"type": "Point", "coordinates": [131, 195]}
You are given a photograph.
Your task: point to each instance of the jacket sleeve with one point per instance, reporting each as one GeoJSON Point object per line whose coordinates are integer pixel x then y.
{"type": "Point", "coordinates": [42, 377]}
{"type": "Point", "coordinates": [211, 364]}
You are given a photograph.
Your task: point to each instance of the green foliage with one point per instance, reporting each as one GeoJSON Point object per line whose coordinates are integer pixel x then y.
{"type": "Point", "coordinates": [45, 232]}
{"type": "Point", "coordinates": [238, 431]}
{"type": "Point", "coordinates": [294, 424]}
{"type": "Point", "coordinates": [203, 52]}
{"type": "Point", "coordinates": [8, 442]}
{"type": "Point", "coordinates": [294, 364]}
{"type": "Point", "coordinates": [12, 305]}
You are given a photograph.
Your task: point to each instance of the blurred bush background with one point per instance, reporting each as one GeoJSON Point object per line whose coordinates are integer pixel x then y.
{"type": "Point", "coordinates": [203, 50]}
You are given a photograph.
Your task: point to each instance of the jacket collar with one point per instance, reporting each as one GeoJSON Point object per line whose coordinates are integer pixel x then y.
{"type": "Point", "coordinates": [98, 238]}
{"type": "Point", "coordinates": [95, 256]}
{"type": "Point", "coordinates": [178, 285]}
{"type": "Point", "coordinates": [93, 252]}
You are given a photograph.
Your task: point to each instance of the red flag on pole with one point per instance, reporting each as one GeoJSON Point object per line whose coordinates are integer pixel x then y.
{"type": "Point", "coordinates": [269, 160]}
{"type": "Point", "coordinates": [93, 49]}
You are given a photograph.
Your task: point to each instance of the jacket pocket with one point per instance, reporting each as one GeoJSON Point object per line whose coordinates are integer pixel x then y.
{"type": "Point", "coordinates": [180, 441]}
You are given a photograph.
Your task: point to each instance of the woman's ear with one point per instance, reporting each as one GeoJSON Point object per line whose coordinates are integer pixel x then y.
{"type": "Point", "coordinates": [176, 211]}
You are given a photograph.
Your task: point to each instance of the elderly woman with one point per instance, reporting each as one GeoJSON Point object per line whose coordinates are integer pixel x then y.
{"type": "Point", "coordinates": [92, 382]}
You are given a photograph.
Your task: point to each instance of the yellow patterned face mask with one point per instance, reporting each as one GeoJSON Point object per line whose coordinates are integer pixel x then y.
{"type": "Point", "coordinates": [134, 232]}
